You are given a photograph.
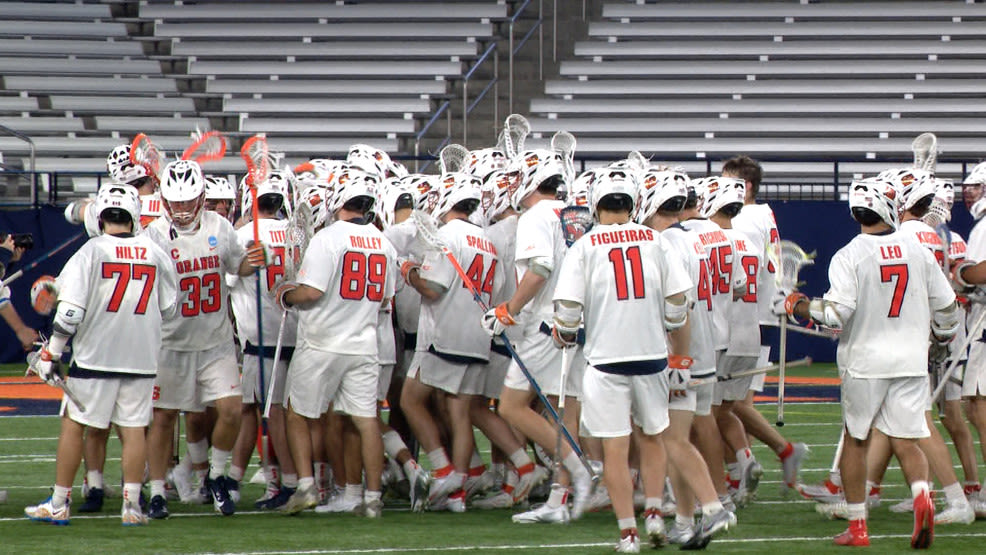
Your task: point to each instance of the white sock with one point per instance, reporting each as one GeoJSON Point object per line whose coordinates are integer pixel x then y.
{"type": "Point", "coordinates": [955, 494]}
{"type": "Point", "coordinates": [558, 495]}
{"type": "Point", "coordinates": [217, 464]}
{"type": "Point", "coordinates": [520, 458]}
{"type": "Point", "coordinates": [919, 487]}
{"type": "Point", "coordinates": [60, 496]}
{"type": "Point", "coordinates": [627, 523]}
{"type": "Point", "coordinates": [410, 467]}
{"type": "Point", "coordinates": [236, 473]}
{"type": "Point", "coordinates": [744, 457]}
{"type": "Point", "coordinates": [131, 492]}
{"type": "Point", "coordinates": [370, 496]}
{"type": "Point", "coordinates": [856, 511]}
{"type": "Point", "coordinates": [321, 475]}
{"type": "Point", "coordinates": [157, 488]}
{"type": "Point", "coordinates": [307, 482]}
{"type": "Point", "coordinates": [476, 461]}
{"type": "Point", "coordinates": [198, 452]}
{"type": "Point", "coordinates": [438, 459]}
{"type": "Point", "coordinates": [573, 465]}
{"type": "Point", "coordinates": [652, 503]}
{"type": "Point", "coordinates": [95, 479]}
{"type": "Point", "coordinates": [684, 520]}
{"type": "Point", "coordinates": [711, 508]}
{"type": "Point", "coordinates": [354, 492]}
{"type": "Point", "coordinates": [393, 444]}
{"type": "Point", "coordinates": [289, 480]}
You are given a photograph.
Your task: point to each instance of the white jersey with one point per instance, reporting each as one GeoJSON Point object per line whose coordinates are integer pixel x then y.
{"type": "Point", "coordinates": [452, 325]}
{"type": "Point", "coordinates": [720, 251]}
{"type": "Point", "coordinates": [621, 275]}
{"type": "Point", "coordinates": [744, 317]}
{"type": "Point", "coordinates": [352, 265]}
{"type": "Point", "coordinates": [539, 235]}
{"type": "Point", "coordinates": [689, 250]}
{"type": "Point", "coordinates": [151, 208]}
{"type": "Point", "coordinates": [956, 254]}
{"type": "Point", "coordinates": [386, 345]}
{"type": "Point", "coordinates": [758, 223]}
{"type": "Point", "coordinates": [893, 285]}
{"type": "Point", "coordinates": [127, 287]}
{"type": "Point", "coordinates": [926, 236]}
{"type": "Point", "coordinates": [243, 290]}
{"type": "Point", "coordinates": [407, 301]}
{"type": "Point", "coordinates": [202, 259]}
{"type": "Point", "coordinates": [503, 235]}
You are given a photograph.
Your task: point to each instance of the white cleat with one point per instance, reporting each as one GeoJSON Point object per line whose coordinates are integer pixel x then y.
{"type": "Point", "coordinates": [680, 534]}
{"type": "Point", "coordinates": [131, 515]}
{"type": "Point", "coordinates": [978, 503]}
{"type": "Point", "coordinates": [339, 504]}
{"type": "Point", "coordinates": [956, 513]}
{"type": "Point", "coordinates": [905, 506]}
{"type": "Point", "coordinates": [629, 544]}
{"type": "Point", "coordinates": [749, 482]}
{"type": "Point", "coordinates": [500, 500]}
{"type": "Point", "coordinates": [188, 486]}
{"type": "Point", "coordinates": [582, 487]}
{"type": "Point", "coordinates": [833, 511]}
{"type": "Point", "coordinates": [654, 526]}
{"type": "Point", "coordinates": [442, 487]}
{"type": "Point", "coordinates": [302, 499]}
{"type": "Point", "coordinates": [826, 492]}
{"type": "Point", "coordinates": [46, 511]}
{"type": "Point", "coordinates": [373, 509]}
{"type": "Point", "coordinates": [792, 465]}
{"type": "Point", "coordinates": [599, 500]}
{"type": "Point", "coordinates": [543, 513]}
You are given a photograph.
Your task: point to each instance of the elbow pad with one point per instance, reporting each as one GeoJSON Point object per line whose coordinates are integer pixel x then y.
{"type": "Point", "coordinates": [675, 315]}
{"type": "Point", "coordinates": [568, 316]}
{"type": "Point", "coordinates": [963, 285]}
{"type": "Point", "coordinates": [828, 314]}
{"type": "Point", "coordinates": [542, 266]}
{"type": "Point", "coordinates": [4, 297]}
{"type": "Point", "coordinates": [68, 317]}
{"type": "Point", "coordinates": [945, 323]}
{"type": "Point", "coordinates": [74, 212]}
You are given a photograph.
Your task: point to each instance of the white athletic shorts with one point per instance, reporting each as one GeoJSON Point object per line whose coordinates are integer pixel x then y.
{"type": "Point", "coordinates": [317, 378]}
{"type": "Point", "coordinates": [383, 383]}
{"type": "Point", "coordinates": [450, 377]}
{"type": "Point", "coordinates": [974, 378]}
{"type": "Point", "coordinates": [403, 363]}
{"type": "Point", "coordinates": [494, 375]}
{"type": "Point", "coordinates": [890, 405]}
{"type": "Point", "coordinates": [737, 388]}
{"type": "Point", "coordinates": [251, 384]}
{"type": "Point", "coordinates": [762, 360]}
{"type": "Point", "coordinates": [122, 401]}
{"type": "Point", "coordinates": [543, 360]}
{"type": "Point", "coordinates": [686, 402]}
{"type": "Point", "coordinates": [188, 380]}
{"type": "Point", "coordinates": [703, 399]}
{"type": "Point", "coordinates": [611, 401]}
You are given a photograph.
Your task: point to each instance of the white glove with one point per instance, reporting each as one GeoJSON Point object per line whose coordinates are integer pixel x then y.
{"type": "Point", "coordinates": [497, 320]}
{"type": "Point", "coordinates": [679, 372]}
{"type": "Point", "coordinates": [778, 301]}
{"type": "Point", "coordinates": [47, 367]}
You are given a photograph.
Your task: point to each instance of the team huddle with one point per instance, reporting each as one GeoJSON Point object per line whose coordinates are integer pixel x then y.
{"type": "Point", "coordinates": [618, 322]}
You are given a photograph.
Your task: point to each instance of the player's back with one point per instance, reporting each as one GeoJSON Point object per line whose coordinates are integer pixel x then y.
{"type": "Point", "coordinates": [407, 301]}
{"type": "Point", "coordinates": [126, 286]}
{"type": "Point", "coordinates": [744, 316]}
{"type": "Point", "coordinates": [539, 234]}
{"type": "Point", "coordinates": [892, 284]}
{"type": "Point", "coordinates": [353, 265]}
{"type": "Point", "coordinates": [621, 274]}
{"type": "Point", "coordinates": [758, 223]}
{"type": "Point", "coordinates": [688, 247]}
{"type": "Point", "coordinates": [151, 208]}
{"type": "Point", "coordinates": [926, 237]}
{"type": "Point", "coordinates": [720, 251]}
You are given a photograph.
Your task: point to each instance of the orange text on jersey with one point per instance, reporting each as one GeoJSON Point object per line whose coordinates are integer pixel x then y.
{"type": "Point", "coordinates": [361, 242]}
{"type": "Point", "coordinates": [131, 253]}
{"type": "Point", "coordinates": [891, 252]}
{"type": "Point", "coordinates": [481, 244]}
{"type": "Point", "coordinates": [196, 264]}
{"type": "Point", "coordinates": [621, 236]}
{"type": "Point", "coordinates": [713, 237]}
{"type": "Point", "coordinates": [929, 238]}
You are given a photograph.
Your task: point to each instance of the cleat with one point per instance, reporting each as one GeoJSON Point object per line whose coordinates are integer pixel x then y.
{"type": "Point", "coordinates": [727, 503]}
{"type": "Point", "coordinates": [854, 536]}
{"type": "Point", "coordinates": [628, 544]}
{"type": "Point", "coordinates": [792, 465]}
{"type": "Point", "coordinates": [583, 488]}
{"type": "Point", "coordinates": [443, 486]}
{"type": "Point", "coordinates": [924, 522]}
{"type": "Point", "coordinates": [189, 490]}
{"type": "Point", "coordinates": [654, 525]}
{"type": "Point", "coordinates": [158, 508]}
{"type": "Point", "coordinates": [543, 513]}
{"type": "Point", "coordinates": [221, 500]}
{"type": "Point", "coordinates": [300, 500]}
{"type": "Point", "coordinates": [527, 480]}
{"type": "Point", "coordinates": [708, 527]}
{"type": "Point", "coordinates": [93, 502]}
{"type": "Point", "coordinates": [680, 534]}
{"type": "Point", "coordinates": [826, 492]}
{"type": "Point", "coordinates": [233, 487]}
{"type": "Point", "coordinates": [669, 504]}
{"type": "Point", "coordinates": [258, 477]}
{"type": "Point", "coordinates": [47, 512]}
{"type": "Point", "coordinates": [749, 482]}
{"type": "Point", "coordinates": [457, 502]}
{"type": "Point", "coordinates": [480, 483]}
{"type": "Point", "coordinates": [599, 500]}
{"type": "Point", "coordinates": [956, 513]}
{"type": "Point", "coordinates": [420, 484]}
{"type": "Point", "coordinates": [339, 504]}
{"type": "Point", "coordinates": [905, 506]}
{"type": "Point", "coordinates": [873, 499]}
{"type": "Point", "coordinates": [373, 509]}
{"type": "Point", "coordinates": [277, 501]}
{"type": "Point", "coordinates": [833, 511]}
{"type": "Point", "coordinates": [501, 500]}
{"type": "Point", "coordinates": [131, 515]}
{"type": "Point", "coordinates": [978, 503]}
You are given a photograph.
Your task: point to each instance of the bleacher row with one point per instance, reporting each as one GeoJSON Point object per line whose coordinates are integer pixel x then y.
{"type": "Point", "coordinates": [675, 80]}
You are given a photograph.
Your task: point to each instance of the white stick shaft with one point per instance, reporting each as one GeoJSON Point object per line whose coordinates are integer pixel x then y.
{"type": "Point", "coordinates": [838, 451]}
{"type": "Point", "coordinates": [273, 370]}
{"type": "Point", "coordinates": [782, 362]}
{"type": "Point", "coordinates": [751, 372]}
{"type": "Point", "coordinates": [972, 334]}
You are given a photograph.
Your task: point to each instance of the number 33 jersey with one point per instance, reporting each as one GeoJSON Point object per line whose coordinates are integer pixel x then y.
{"type": "Point", "coordinates": [201, 260]}
{"type": "Point", "coordinates": [126, 286]}
{"type": "Point", "coordinates": [893, 284]}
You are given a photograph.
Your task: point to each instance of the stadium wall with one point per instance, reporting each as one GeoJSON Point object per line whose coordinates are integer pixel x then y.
{"type": "Point", "coordinates": [822, 226]}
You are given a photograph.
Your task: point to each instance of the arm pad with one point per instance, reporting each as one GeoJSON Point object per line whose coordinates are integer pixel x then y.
{"type": "Point", "coordinates": [945, 323]}
{"type": "Point", "coordinates": [675, 314]}
{"type": "Point", "coordinates": [829, 314]}
{"type": "Point", "coordinates": [542, 266]}
{"type": "Point", "coordinates": [568, 316]}
{"type": "Point", "coordinates": [67, 318]}
{"type": "Point", "coordinates": [957, 275]}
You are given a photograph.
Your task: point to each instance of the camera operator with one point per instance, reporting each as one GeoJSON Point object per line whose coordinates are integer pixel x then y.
{"type": "Point", "coordinates": [12, 247]}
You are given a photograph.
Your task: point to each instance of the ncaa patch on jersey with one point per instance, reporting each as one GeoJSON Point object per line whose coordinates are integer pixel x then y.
{"type": "Point", "coordinates": [213, 242]}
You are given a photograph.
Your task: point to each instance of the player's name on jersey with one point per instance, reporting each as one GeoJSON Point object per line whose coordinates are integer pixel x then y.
{"type": "Point", "coordinates": [713, 237]}
{"type": "Point", "coordinates": [621, 236]}
{"type": "Point", "coordinates": [891, 252]}
{"type": "Point", "coordinates": [131, 252]}
{"type": "Point", "coordinates": [481, 244]}
{"type": "Point", "coordinates": [196, 264]}
{"type": "Point", "coordinates": [361, 242]}
{"type": "Point", "coordinates": [928, 238]}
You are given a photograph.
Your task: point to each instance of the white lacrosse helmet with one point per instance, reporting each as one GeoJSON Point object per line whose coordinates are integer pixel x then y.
{"type": "Point", "coordinates": [397, 170]}
{"type": "Point", "coordinates": [913, 184]}
{"type": "Point", "coordinates": [183, 194]}
{"type": "Point", "coordinates": [455, 188]}
{"type": "Point", "coordinates": [536, 167]}
{"type": "Point", "coordinates": [278, 182]}
{"type": "Point", "coordinates": [117, 196]}
{"type": "Point", "coordinates": [395, 189]}
{"type": "Point", "coordinates": [485, 161]}
{"type": "Point", "coordinates": [578, 193]}
{"type": "Point", "coordinates": [495, 195]}
{"type": "Point", "coordinates": [877, 194]}
{"type": "Point", "coordinates": [316, 197]}
{"type": "Point", "coordinates": [722, 192]}
{"type": "Point", "coordinates": [353, 185]}
{"type": "Point", "coordinates": [661, 188]}
{"type": "Point", "coordinates": [940, 210]}
{"type": "Point", "coordinates": [219, 188]}
{"type": "Point", "coordinates": [369, 159]}
{"type": "Point", "coordinates": [120, 168]}
{"type": "Point", "coordinates": [613, 181]}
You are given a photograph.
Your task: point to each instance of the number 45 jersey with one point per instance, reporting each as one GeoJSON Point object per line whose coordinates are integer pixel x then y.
{"type": "Point", "coordinates": [893, 284]}
{"type": "Point", "coordinates": [126, 286]}
{"type": "Point", "coordinates": [201, 259]}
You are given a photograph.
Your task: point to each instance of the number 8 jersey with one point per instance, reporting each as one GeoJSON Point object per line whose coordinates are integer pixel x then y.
{"type": "Point", "coordinates": [201, 259]}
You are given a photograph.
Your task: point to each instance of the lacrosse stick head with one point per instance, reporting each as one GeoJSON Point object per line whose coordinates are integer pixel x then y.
{"type": "Point", "coordinates": [925, 149]}
{"type": "Point", "coordinates": [788, 258]}
{"type": "Point", "coordinates": [564, 144]}
{"type": "Point", "coordinates": [940, 210]}
{"type": "Point", "coordinates": [516, 128]}
{"type": "Point", "coordinates": [257, 157]}
{"type": "Point", "coordinates": [206, 147]}
{"type": "Point", "coordinates": [146, 154]}
{"type": "Point", "coordinates": [454, 158]}
{"type": "Point", "coordinates": [576, 221]}
{"type": "Point", "coordinates": [300, 229]}
{"type": "Point", "coordinates": [427, 226]}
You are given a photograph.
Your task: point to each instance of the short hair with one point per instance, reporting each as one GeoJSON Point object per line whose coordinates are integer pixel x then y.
{"type": "Point", "coordinates": [745, 168]}
{"type": "Point", "coordinates": [270, 202]}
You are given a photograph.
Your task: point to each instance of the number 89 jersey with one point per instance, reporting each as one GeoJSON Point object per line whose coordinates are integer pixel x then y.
{"type": "Point", "coordinates": [202, 259]}
{"type": "Point", "coordinates": [893, 285]}
{"type": "Point", "coordinates": [353, 266]}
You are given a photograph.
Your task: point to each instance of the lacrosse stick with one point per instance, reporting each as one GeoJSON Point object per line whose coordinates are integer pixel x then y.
{"type": "Point", "coordinates": [516, 128]}
{"type": "Point", "coordinates": [576, 221]}
{"type": "Point", "coordinates": [34, 264]}
{"type": "Point", "coordinates": [564, 143]}
{"type": "Point", "coordinates": [806, 361]}
{"type": "Point", "coordinates": [788, 258]}
{"type": "Point", "coordinates": [208, 146]}
{"type": "Point", "coordinates": [637, 161]}
{"type": "Point", "coordinates": [925, 149]}
{"type": "Point", "coordinates": [813, 332]}
{"type": "Point", "coordinates": [566, 364]}
{"type": "Point", "coordinates": [32, 368]}
{"type": "Point", "coordinates": [428, 231]}
{"type": "Point", "coordinates": [145, 153]}
{"type": "Point", "coordinates": [453, 159]}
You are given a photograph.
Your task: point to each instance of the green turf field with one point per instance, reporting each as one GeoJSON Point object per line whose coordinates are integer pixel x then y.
{"type": "Point", "coordinates": [27, 447]}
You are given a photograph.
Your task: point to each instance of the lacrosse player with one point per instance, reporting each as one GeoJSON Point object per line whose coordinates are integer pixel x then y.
{"type": "Point", "coordinates": [624, 270]}
{"type": "Point", "coordinates": [220, 196]}
{"type": "Point", "coordinates": [26, 335]}
{"type": "Point", "coordinates": [115, 290]}
{"type": "Point", "coordinates": [347, 274]}
{"type": "Point", "coordinates": [887, 296]}
{"type": "Point", "coordinates": [197, 361]}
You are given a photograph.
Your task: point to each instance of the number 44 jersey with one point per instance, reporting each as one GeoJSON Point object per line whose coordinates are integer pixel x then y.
{"type": "Point", "coordinates": [893, 285]}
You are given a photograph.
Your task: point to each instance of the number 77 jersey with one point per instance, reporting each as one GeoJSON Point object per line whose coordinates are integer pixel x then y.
{"type": "Point", "coordinates": [893, 285]}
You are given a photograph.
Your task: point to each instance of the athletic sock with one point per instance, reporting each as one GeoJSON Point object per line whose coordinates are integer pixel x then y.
{"type": "Point", "coordinates": [711, 508]}
{"type": "Point", "coordinates": [919, 487]}
{"type": "Point", "coordinates": [393, 444]}
{"type": "Point", "coordinates": [354, 492]}
{"type": "Point", "coordinates": [684, 520]}
{"type": "Point", "coordinates": [157, 488]}
{"type": "Point", "coordinates": [438, 459]}
{"type": "Point", "coordinates": [371, 496]}
{"type": "Point", "coordinates": [626, 524]}
{"type": "Point", "coordinates": [198, 452]}
{"type": "Point", "coordinates": [476, 461]}
{"type": "Point", "coordinates": [131, 491]}
{"type": "Point", "coordinates": [290, 481]}
{"type": "Point", "coordinates": [733, 472]}
{"type": "Point", "coordinates": [60, 496]}
{"type": "Point", "coordinates": [856, 511]}
{"type": "Point", "coordinates": [573, 464]}
{"type": "Point", "coordinates": [321, 475]}
{"type": "Point", "coordinates": [971, 488]}
{"type": "Point", "coordinates": [236, 473]}
{"type": "Point", "coordinates": [217, 464]}
{"type": "Point", "coordinates": [558, 496]}
{"type": "Point", "coordinates": [95, 479]}
{"type": "Point", "coordinates": [744, 457]}
{"type": "Point", "coordinates": [519, 458]}
{"type": "Point", "coordinates": [306, 482]}
{"type": "Point", "coordinates": [410, 467]}
{"type": "Point", "coordinates": [954, 493]}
